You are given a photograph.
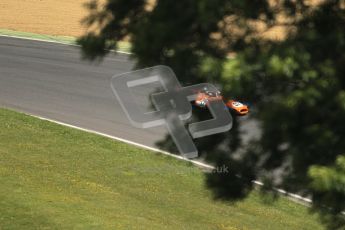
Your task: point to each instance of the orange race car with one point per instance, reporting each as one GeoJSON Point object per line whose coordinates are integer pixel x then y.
{"type": "Point", "coordinates": [205, 96]}
{"type": "Point", "coordinates": [237, 107]}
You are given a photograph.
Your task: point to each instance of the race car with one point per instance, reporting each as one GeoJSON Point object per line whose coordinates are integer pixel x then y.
{"type": "Point", "coordinates": [237, 107]}
{"type": "Point", "coordinates": [205, 96]}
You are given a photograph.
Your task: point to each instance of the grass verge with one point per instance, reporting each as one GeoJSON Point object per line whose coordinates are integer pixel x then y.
{"type": "Point", "coordinates": [57, 177]}
{"type": "Point", "coordinates": [122, 46]}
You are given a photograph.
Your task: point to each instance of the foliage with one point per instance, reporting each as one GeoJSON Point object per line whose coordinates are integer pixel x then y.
{"type": "Point", "coordinates": [329, 186]}
{"type": "Point", "coordinates": [297, 84]}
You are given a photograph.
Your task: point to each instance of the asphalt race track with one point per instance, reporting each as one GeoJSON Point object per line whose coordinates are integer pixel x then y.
{"type": "Point", "coordinates": [51, 80]}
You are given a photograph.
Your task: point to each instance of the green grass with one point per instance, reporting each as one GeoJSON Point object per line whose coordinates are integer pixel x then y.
{"type": "Point", "coordinates": [122, 46]}
{"type": "Point", "coordinates": [53, 177]}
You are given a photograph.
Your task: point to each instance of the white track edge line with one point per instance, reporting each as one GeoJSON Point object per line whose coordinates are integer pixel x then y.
{"type": "Point", "coordinates": [125, 141]}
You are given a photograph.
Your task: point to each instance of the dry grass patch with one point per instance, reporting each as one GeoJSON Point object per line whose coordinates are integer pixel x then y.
{"type": "Point", "coordinates": [43, 16]}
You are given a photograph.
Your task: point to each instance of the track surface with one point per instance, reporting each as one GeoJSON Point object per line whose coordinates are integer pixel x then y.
{"type": "Point", "coordinates": [51, 80]}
